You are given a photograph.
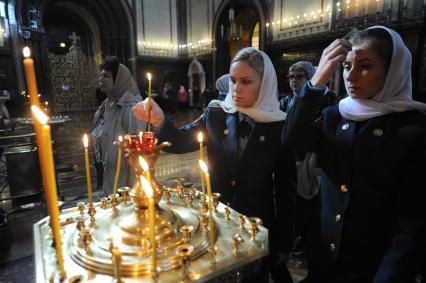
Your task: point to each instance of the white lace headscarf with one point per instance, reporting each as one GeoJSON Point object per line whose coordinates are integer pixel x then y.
{"type": "Point", "coordinates": [396, 94]}
{"type": "Point", "coordinates": [266, 109]}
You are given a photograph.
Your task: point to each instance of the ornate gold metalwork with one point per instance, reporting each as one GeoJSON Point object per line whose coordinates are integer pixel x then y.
{"type": "Point", "coordinates": [181, 237]}
{"type": "Point", "coordinates": [73, 79]}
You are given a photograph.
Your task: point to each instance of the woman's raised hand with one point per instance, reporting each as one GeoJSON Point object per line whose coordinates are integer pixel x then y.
{"type": "Point", "coordinates": [334, 54]}
{"type": "Point", "coordinates": [140, 111]}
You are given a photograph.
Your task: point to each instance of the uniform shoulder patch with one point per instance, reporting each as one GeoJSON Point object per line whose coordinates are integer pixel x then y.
{"type": "Point", "coordinates": [215, 104]}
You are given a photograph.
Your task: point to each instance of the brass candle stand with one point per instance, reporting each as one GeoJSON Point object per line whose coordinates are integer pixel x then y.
{"type": "Point", "coordinates": [181, 229]}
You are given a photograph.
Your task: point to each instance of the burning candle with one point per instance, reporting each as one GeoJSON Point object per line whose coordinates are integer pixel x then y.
{"type": "Point", "coordinates": [151, 221]}
{"type": "Point", "coordinates": [200, 140]}
{"type": "Point", "coordinates": [149, 77]}
{"type": "Point", "coordinates": [86, 159]}
{"type": "Point", "coordinates": [30, 77]}
{"type": "Point", "coordinates": [209, 192]}
{"type": "Point", "coordinates": [49, 181]}
{"type": "Point", "coordinates": [117, 172]}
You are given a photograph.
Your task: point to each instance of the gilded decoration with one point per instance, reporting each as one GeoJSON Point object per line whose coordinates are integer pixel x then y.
{"type": "Point", "coordinates": [74, 79]}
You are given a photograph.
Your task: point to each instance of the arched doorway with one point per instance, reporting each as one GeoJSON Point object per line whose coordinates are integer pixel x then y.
{"type": "Point", "coordinates": [234, 27]}
{"type": "Point", "coordinates": [196, 78]}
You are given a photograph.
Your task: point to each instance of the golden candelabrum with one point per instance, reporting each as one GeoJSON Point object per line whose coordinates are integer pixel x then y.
{"type": "Point", "coordinates": [118, 244]}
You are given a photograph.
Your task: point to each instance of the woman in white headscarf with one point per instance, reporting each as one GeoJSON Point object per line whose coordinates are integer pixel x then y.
{"type": "Point", "coordinates": [247, 162]}
{"type": "Point", "coordinates": [372, 147]}
{"type": "Point", "coordinates": [222, 86]}
{"type": "Point", "coordinates": [113, 118]}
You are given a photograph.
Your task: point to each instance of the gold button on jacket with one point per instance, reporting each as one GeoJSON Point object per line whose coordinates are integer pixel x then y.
{"type": "Point", "coordinates": [344, 188]}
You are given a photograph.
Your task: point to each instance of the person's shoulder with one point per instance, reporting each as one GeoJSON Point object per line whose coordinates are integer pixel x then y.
{"type": "Point", "coordinates": [215, 103]}
{"type": "Point", "coordinates": [410, 123]}
{"type": "Point", "coordinates": [214, 111]}
{"type": "Point", "coordinates": [331, 112]}
{"type": "Point", "coordinates": [215, 106]}
{"type": "Point", "coordinates": [129, 98]}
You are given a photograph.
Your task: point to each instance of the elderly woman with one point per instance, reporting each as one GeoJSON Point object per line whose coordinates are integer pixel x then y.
{"type": "Point", "coordinates": [248, 164]}
{"type": "Point", "coordinates": [372, 218]}
{"type": "Point", "coordinates": [113, 118]}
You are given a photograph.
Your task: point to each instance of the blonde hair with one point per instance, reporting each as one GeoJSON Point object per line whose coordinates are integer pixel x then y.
{"type": "Point", "coordinates": [252, 56]}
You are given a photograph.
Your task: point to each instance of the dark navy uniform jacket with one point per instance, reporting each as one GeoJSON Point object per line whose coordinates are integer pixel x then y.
{"type": "Point", "coordinates": [371, 223]}
{"type": "Point", "coordinates": [261, 183]}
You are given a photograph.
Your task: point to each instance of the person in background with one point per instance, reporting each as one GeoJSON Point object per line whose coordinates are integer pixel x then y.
{"type": "Point", "coordinates": [171, 101]}
{"type": "Point", "coordinates": [298, 74]}
{"type": "Point", "coordinates": [308, 179]}
{"type": "Point", "coordinates": [222, 86]}
{"type": "Point", "coordinates": [182, 98]}
{"type": "Point", "coordinates": [248, 164]}
{"type": "Point", "coordinates": [114, 117]}
{"type": "Point", "coordinates": [208, 95]}
{"type": "Point", "coordinates": [371, 224]}
{"type": "Point", "coordinates": [196, 101]}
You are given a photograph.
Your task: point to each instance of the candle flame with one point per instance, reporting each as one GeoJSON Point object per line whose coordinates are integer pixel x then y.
{"type": "Point", "coordinates": [40, 116]}
{"type": "Point", "coordinates": [120, 138]}
{"type": "Point", "coordinates": [143, 163]}
{"type": "Point", "coordinates": [149, 76]}
{"type": "Point", "coordinates": [203, 166]}
{"type": "Point", "coordinates": [85, 141]}
{"type": "Point", "coordinates": [26, 51]}
{"type": "Point", "coordinates": [147, 187]}
{"type": "Point", "coordinates": [200, 137]}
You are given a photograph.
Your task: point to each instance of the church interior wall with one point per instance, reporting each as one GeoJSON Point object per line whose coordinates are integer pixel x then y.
{"type": "Point", "coordinates": [163, 30]}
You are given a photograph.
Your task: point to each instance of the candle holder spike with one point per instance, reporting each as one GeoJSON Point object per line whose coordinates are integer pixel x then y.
{"type": "Point", "coordinates": [104, 203]}
{"type": "Point", "coordinates": [92, 213]}
{"type": "Point", "coordinates": [254, 223]}
{"type": "Point", "coordinates": [86, 237]}
{"type": "Point", "coordinates": [186, 233]}
{"type": "Point", "coordinates": [80, 206]}
{"type": "Point", "coordinates": [237, 240]}
{"type": "Point", "coordinates": [185, 251]}
{"type": "Point", "coordinates": [242, 222]}
{"type": "Point", "coordinates": [189, 197]}
{"type": "Point", "coordinates": [124, 192]}
{"type": "Point", "coordinates": [80, 223]}
{"type": "Point", "coordinates": [215, 200]}
{"type": "Point", "coordinates": [227, 214]}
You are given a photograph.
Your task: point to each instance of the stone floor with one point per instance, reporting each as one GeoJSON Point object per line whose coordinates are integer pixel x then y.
{"type": "Point", "coordinates": [16, 263]}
